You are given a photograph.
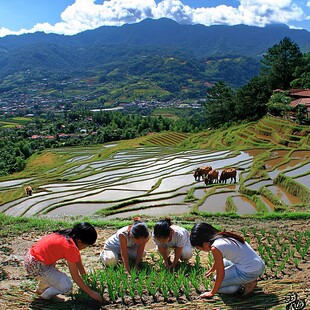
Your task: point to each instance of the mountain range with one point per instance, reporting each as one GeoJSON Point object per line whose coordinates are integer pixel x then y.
{"type": "Point", "coordinates": [110, 47]}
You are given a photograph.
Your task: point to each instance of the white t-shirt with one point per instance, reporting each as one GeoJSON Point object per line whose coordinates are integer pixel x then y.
{"type": "Point", "coordinates": [242, 255]}
{"type": "Point", "coordinates": [180, 238]}
{"type": "Point", "coordinates": [113, 243]}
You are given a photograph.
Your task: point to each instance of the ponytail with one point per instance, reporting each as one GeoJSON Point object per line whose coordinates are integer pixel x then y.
{"type": "Point", "coordinates": [139, 229]}
{"type": "Point", "coordinates": [203, 232]}
{"type": "Point", "coordinates": [82, 231]}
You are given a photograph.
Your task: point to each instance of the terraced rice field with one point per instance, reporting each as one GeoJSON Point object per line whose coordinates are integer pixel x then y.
{"type": "Point", "coordinates": [153, 181]}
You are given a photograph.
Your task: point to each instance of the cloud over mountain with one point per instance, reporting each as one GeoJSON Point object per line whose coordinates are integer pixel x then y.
{"type": "Point", "coordinates": [89, 14]}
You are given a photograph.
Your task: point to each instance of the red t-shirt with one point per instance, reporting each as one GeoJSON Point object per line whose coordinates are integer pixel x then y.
{"type": "Point", "coordinates": [53, 247]}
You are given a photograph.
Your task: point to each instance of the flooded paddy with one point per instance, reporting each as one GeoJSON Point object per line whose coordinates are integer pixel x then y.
{"type": "Point", "coordinates": [244, 205]}
{"type": "Point", "coordinates": [305, 180]}
{"type": "Point", "coordinates": [299, 171]}
{"type": "Point", "coordinates": [257, 185]}
{"type": "Point", "coordinates": [156, 211]}
{"type": "Point", "coordinates": [215, 203]}
{"type": "Point", "coordinates": [155, 180]}
{"type": "Point", "coordinates": [283, 195]}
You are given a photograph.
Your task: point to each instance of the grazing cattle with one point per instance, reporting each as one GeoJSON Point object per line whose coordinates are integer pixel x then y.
{"type": "Point", "coordinates": [28, 190]}
{"type": "Point", "coordinates": [226, 174]}
{"type": "Point", "coordinates": [201, 172]}
{"type": "Point", "coordinates": [211, 177]}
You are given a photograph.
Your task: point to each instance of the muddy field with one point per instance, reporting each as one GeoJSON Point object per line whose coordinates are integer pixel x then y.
{"type": "Point", "coordinates": [275, 290]}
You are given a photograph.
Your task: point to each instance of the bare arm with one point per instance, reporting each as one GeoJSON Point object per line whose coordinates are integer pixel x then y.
{"type": "Point", "coordinates": [163, 252]}
{"type": "Point", "coordinates": [220, 272]}
{"type": "Point", "coordinates": [208, 274]}
{"type": "Point", "coordinates": [140, 252]}
{"type": "Point", "coordinates": [80, 267]}
{"type": "Point", "coordinates": [124, 252]}
{"type": "Point", "coordinates": [74, 271]}
{"type": "Point", "coordinates": [177, 254]}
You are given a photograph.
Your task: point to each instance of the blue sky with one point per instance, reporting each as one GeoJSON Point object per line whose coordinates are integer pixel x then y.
{"type": "Point", "coordinates": [73, 16]}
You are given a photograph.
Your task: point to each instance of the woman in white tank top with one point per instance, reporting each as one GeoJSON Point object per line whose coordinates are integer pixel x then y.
{"type": "Point", "coordinates": [236, 264]}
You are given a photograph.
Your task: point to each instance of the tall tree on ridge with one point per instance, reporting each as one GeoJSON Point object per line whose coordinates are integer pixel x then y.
{"type": "Point", "coordinates": [280, 62]}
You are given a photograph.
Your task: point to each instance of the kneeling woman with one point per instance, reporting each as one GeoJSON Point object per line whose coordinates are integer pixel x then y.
{"type": "Point", "coordinates": [170, 238]}
{"type": "Point", "coordinates": [129, 242]}
{"type": "Point", "coordinates": [236, 264]}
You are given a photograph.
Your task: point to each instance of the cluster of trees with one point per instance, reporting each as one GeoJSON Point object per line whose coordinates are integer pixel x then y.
{"type": "Point", "coordinates": [283, 67]}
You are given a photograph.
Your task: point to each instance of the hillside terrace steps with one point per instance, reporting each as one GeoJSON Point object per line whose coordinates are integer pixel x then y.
{"type": "Point", "coordinates": [169, 138]}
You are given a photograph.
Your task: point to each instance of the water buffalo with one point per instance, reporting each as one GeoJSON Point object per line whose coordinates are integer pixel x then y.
{"type": "Point", "coordinates": [230, 173]}
{"type": "Point", "coordinates": [28, 190]}
{"type": "Point", "coordinates": [211, 177]}
{"type": "Point", "coordinates": [201, 172]}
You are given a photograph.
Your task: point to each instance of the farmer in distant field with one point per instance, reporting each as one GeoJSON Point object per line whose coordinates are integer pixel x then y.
{"type": "Point", "coordinates": [128, 242]}
{"type": "Point", "coordinates": [236, 264]}
{"type": "Point", "coordinates": [40, 260]}
{"type": "Point", "coordinates": [168, 238]}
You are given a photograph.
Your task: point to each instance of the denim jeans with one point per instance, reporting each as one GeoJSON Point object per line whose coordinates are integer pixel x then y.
{"type": "Point", "coordinates": [234, 277]}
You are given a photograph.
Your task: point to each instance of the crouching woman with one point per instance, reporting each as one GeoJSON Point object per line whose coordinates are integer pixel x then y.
{"type": "Point", "coordinates": [127, 243]}
{"type": "Point", "coordinates": [172, 238]}
{"type": "Point", "coordinates": [236, 264]}
{"type": "Point", "coordinates": [65, 244]}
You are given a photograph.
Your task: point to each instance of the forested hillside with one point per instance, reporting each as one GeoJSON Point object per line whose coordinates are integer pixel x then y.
{"type": "Point", "coordinates": [194, 52]}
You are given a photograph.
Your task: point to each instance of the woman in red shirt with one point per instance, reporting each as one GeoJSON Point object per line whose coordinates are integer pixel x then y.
{"type": "Point", "coordinates": [66, 244]}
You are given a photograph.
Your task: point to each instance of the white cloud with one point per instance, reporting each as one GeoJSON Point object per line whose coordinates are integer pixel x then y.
{"type": "Point", "coordinates": [85, 14]}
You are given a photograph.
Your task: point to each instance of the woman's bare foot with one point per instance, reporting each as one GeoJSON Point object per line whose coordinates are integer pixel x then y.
{"type": "Point", "coordinates": [249, 287]}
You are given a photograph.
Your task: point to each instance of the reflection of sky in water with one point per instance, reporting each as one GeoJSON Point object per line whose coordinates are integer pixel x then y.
{"type": "Point", "coordinates": [62, 187]}
{"type": "Point", "coordinates": [286, 197]}
{"type": "Point", "coordinates": [305, 180]}
{"type": "Point", "coordinates": [79, 158]}
{"type": "Point", "coordinates": [257, 185]}
{"type": "Point", "coordinates": [79, 209]}
{"type": "Point", "coordinates": [156, 211]}
{"type": "Point", "coordinates": [178, 199]}
{"type": "Point", "coordinates": [301, 170]}
{"type": "Point", "coordinates": [172, 183]}
{"type": "Point", "coordinates": [215, 203]}
{"type": "Point", "coordinates": [201, 192]}
{"type": "Point", "coordinates": [14, 182]}
{"type": "Point", "coordinates": [273, 174]}
{"type": "Point", "coordinates": [244, 205]}
{"type": "Point", "coordinates": [141, 185]}
{"type": "Point", "coordinates": [112, 195]}
{"type": "Point", "coordinates": [292, 163]}
{"type": "Point", "coordinates": [34, 204]}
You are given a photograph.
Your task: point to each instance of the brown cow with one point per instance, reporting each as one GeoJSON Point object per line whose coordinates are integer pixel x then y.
{"type": "Point", "coordinates": [230, 173]}
{"type": "Point", "coordinates": [201, 172]}
{"type": "Point", "coordinates": [28, 190]}
{"type": "Point", "coordinates": [212, 175]}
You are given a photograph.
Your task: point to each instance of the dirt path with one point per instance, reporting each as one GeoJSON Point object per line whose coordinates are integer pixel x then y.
{"type": "Point", "coordinates": [273, 292]}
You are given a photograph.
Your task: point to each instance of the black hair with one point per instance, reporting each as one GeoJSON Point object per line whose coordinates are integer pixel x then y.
{"type": "Point", "coordinates": [162, 228]}
{"type": "Point", "coordinates": [203, 232]}
{"type": "Point", "coordinates": [83, 231]}
{"type": "Point", "coordinates": [139, 229]}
